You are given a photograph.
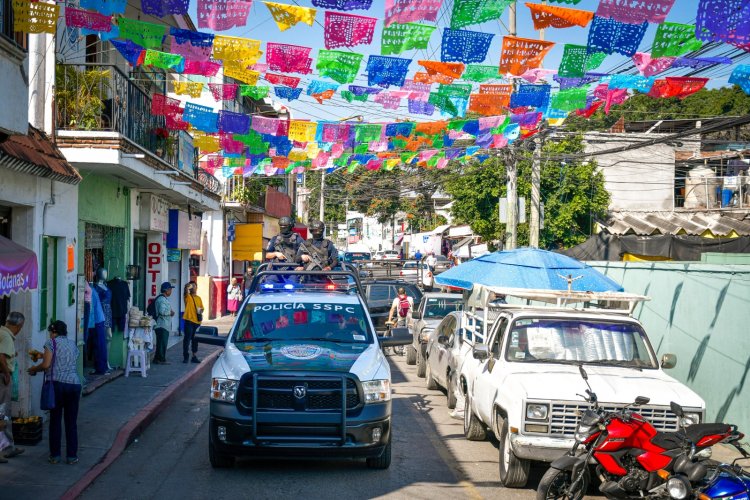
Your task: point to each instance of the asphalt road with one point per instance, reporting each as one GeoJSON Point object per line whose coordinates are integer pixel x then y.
{"type": "Point", "coordinates": [431, 458]}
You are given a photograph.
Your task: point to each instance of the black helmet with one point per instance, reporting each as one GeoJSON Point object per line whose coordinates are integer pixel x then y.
{"type": "Point", "coordinates": [317, 229]}
{"type": "Point", "coordinates": [285, 225]}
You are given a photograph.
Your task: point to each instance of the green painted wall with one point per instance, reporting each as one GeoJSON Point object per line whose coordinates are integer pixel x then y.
{"type": "Point", "coordinates": [701, 313]}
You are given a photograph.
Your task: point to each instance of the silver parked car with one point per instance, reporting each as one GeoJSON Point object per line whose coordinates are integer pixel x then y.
{"type": "Point", "coordinates": [432, 309]}
{"type": "Point", "coordinates": [443, 356]}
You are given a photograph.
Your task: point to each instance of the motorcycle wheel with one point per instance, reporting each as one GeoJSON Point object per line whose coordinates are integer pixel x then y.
{"type": "Point", "coordinates": [555, 484]}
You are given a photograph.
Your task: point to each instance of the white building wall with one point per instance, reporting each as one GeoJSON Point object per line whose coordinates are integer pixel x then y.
{"type": "Point", "coordinates": [14, 74]}
{"type": "Point", "coordinates": [40, 207]}
{"type": "Point", "coordinates": [639, 179]}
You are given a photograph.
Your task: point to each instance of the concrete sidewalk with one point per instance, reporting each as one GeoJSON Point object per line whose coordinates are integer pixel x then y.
{"type": "Point", "coordinates": [109, 419]}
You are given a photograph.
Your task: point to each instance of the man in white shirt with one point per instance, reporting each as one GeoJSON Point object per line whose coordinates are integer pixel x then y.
{"type": "Point", "coordinates": [402, 307]}
{"type": "Point", "coordinates": [431, 261]}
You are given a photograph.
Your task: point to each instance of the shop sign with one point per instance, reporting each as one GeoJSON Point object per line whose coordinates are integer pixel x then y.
{"type": "Point", "coordinates": [184, 231]}
{"type": "Point", "coordinates": [174, 255]}
{"type": "Point", "coordinates": [154, 213]}
{"type": "Point", "coordinates": [154, 256]}
{"type": "Point", "coordinates": [186, 153]}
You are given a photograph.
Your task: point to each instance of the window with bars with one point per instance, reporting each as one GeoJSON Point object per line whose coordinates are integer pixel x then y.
{"type": "Point", "coordinates": [6, 25]}
{"type": "Point", "coordinates": [104, 247]}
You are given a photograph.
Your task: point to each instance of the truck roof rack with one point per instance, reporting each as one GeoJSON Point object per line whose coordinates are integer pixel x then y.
{"type": "Point", "coordinates": [285, 273]}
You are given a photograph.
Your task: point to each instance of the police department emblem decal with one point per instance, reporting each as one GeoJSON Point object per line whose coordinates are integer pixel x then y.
{"type": "Point", "coordinates": [304, 351]}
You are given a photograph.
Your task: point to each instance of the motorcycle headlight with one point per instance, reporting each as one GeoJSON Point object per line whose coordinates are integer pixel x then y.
{"type": "Point", "coordinates": [224, 390]}
{"type": "Point", "coordinates": [690, 419]}
{"type": "Point", "coordinates": [584, 432]}
{"type": "Point", "coordinates": [377, 391]}
{"type": "Point", "coordinates": [678, 487]}
{"type": "Point", "coordinates": [537, 411]}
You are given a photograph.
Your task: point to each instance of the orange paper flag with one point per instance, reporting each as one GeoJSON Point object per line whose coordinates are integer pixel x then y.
{"type": "Point", "coordinates": [431, 128]}
{"type": "Point", "coordinates": [552, 16]}
{"type": "Point", "coordinates": [522, 54]}
{"type": "Point", "coordinates": [451, 69]}
{"type": "Point", "coordinates": [488, 104]}
{"type": "Point", "coordinates": [422, 77]}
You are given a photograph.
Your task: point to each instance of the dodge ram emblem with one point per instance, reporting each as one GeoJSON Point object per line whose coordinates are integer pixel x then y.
{"type": "Point", "coordinates": [300, 391]}
{"type": "Point", "coordinates": [301, 351]}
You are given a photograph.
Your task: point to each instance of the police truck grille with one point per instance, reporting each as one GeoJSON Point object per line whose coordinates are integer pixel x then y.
{"type": "Point", "coordinates": [297, 394]}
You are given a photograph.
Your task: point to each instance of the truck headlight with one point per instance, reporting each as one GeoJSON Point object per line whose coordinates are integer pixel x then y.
{"type": "Point", "coordinates": [377, 391]}
{"type": "Point", "coordinates": [224, 390]}
{"type": "Point", "coordinates": [536, 411]}
{"type": "Point", "coordinates": [690, 419]}
{"type": "Point", "coordinates": [424, 335]}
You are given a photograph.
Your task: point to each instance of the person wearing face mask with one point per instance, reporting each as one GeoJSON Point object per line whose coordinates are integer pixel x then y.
{"type": "Point", "coordinates": [284, 247]}
{"type": "Point", "coordinates": [318, 253]}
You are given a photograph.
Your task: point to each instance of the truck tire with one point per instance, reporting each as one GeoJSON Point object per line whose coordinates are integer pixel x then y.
{"type": "Point", "coordinates": [429, 381]}
{"type": "Point", "coordinates": [473, 428]}
{"type": "Point", "coordinates": [451, 390]}
{"type": "Point", "coordinates": [218, 460]}
{"type": "Point", "coordinates": [555, 482]}
{"type": "Point", "coordinates": [411, 355]}
{"type": "Point", "coordinates": [383, 461]}
{"type": "Point", "coordinates": [420, 363]}
{"type": "Point", "coordinates": [514, 472]}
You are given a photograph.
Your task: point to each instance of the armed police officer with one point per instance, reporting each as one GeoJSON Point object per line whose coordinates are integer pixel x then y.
{"type": "Point", "coordinates": [285, 246]}
{"type": "Point", "coordinates": [318, 253]}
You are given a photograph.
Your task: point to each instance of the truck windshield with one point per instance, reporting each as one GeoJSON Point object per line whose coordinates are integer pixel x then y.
{"type": "Point", "coordinates": [579, 341]}
{"type": "Point", "coordinates": [301, 320]}
{"type": "Point", "coordinates": [439, 308]}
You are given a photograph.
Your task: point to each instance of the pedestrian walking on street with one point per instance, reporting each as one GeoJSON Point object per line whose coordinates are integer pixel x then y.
{"type": "Point", "coordinates": [60, 362]}
{"type": "Point", "coordinates": [13, 325]}
{"type": "Point", "coordinates": [164, 315]}
{"type": "Point", "coordinates": [234, 296]}
{"type": "Point", "coordinates": [193, 316]}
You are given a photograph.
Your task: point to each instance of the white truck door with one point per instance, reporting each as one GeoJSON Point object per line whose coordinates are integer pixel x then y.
{"type": "Point", "coordinates": [487, 376]}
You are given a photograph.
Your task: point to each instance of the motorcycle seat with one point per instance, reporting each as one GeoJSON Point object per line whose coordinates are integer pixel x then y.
{"type": "Point", "coordinates": [669, 440]}
{"type": "Point", "coordinates": [696, 432]}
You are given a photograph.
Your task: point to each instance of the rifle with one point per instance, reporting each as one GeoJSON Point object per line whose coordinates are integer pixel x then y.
{"type": "Point", "coordinates": [316, 261]}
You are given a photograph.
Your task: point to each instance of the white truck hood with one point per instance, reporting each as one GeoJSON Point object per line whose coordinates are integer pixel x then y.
{"type": "Point", "coordinates": [611, 384]}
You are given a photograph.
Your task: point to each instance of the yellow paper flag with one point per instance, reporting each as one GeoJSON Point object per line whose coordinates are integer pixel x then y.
{"type": "Point", "coordinates": [193, 89]}
{"type": "Point", "coordinates": [297, 155]}
{"type": "Point", "coordinates": [312, 150]}
{"type": "Point", "coordinates": [241, 50]}
{"type": "Point", "coordinates": [241, 73]}
{"type": "Point", "coordinates": [207, 144]}
{"type": "Point", "coordinates": [287, 16]}
{"type": "Point", "coordinates": [302, 131]}
{"type": "Point", "coordinates": [35, 17]}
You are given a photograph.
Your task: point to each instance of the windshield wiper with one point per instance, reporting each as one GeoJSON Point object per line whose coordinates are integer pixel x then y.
{"type": "Point", "coordinates": [323, 339]}
{"type": "Point", "coordinates": [615, 362]}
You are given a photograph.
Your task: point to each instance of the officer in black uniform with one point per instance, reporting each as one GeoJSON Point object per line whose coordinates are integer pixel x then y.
{"type": "Point", "coordinates": [285, 246]}
{"type": "Point", "coordinates": [318, 253]}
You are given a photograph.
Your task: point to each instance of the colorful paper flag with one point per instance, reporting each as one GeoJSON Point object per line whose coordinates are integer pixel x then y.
{"type": "Point", "coordinates": [287, 16]}
{"type": "Point", "coordinates": [464, 46]}
{"type": "Point", "coordinates": [679, 87]}
{"type": "Point", "coordinates": [633, 82]}
{"type": "Point", "coordinates": [741, 77]}
{"type": "Point", "coordinates": [652, 11]}
{"type": "Point", "coordinates": [480, 73]}
{"type": "Point", "coordinates": [223, 92]}
{"type": "Point", "coordinates": [132, 52]}
{"type": "Point", "coordinates": [342, 67]}
{"type": "Point", "coordinates": [723, 20]}
{"type": "Point", "coordinates": [347, 30]}
{"type": "Point", "coordinates": [204, 68]}
{"type": "Point", "coordinates": [221, 15]}
{"type": "Point", "coordinates": [424, 77]}
{"type": "Point", "coordinates": [286, 81]}
{"type": "Point", "coordinates": [649, 66]}
{"type": "Point", "coordinates": [407, 11]}
{"type": "Point", "coordinates": [161, 105]}
{"type": "Point", "coordinates": [233, 123]}
{"type": "Point", "coordinates": [468, 12]}
{"type": "Point", "coordinates": [201, 117]}
{"type": "Point", "coordinates": [190, 51]}
{"type": "Point", "coordinates": [451, 69]}
{"type": "Point", "coordinates": [576, 61]}
{"type": "Point", "coordinates": [106, 7]}
{"type": "Point", "coordinates": [78, 18]}
{"type": "Point", "coordinates": [521, 54]}
{"type": "Point", "coordinates": [536, 96]}
{"type": "Point", "coordinates": [164, 60]}
{"type": "Point", "coordinates": [397, 38]}
{"type": "Point", "coordinates": [147, 35]}
{"type": "Point", "coordinates": [551, 16]}
{"type": "Point", "coordinates": [343, 4]}
{"type": "Point", "coordinates": [288, 93]}
{"type": "Point", "coordinates": [455, 90]}
{"type": "Point", "coordinates": [241, 74]}
{"type": "Point", "coordinates": [388, 100]}
{"type": "Point", "coordinates": [193, 89]}
{"type": "Point", "coordinates": [288, 58]}
{"type": "Point", "coordinates": [241, 50]}
{"type": "Point", "coordinates": [387, 70]}
{"type": "Point", "coordinates": [254, 92]}
{"type": "Point", "coordinates": [34, 17]}
{"type": "Point", "coordinates": [161, 8]}
{"type": "Point", "coordinates": [674, 39]}
{"type": "Point", "coordinates": [610, 35]}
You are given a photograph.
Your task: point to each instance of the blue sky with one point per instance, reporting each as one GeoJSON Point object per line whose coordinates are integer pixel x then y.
{"type": "Point", "coordinates": [261, 26]}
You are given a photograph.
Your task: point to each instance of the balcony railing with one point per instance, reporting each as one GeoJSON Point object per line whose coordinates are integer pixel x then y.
{"type": "Point", "coordinates": [713, 193]}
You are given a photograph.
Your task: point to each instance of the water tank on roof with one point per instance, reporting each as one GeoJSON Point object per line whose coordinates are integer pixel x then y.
{"type": "Point", "coordinates": [700, 188]}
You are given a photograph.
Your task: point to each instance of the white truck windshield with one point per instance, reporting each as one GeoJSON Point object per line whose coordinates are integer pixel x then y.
{"type": "Point", "coordinates": [301, 320]}
{"type": "Point", "coordinates": [579, 341]}
{"type": "Point", "coordinates": [440, 308]}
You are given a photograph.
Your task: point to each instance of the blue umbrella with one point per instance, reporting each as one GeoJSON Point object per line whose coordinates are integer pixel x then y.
{"type": "Point", "coordinates": [527, 268]}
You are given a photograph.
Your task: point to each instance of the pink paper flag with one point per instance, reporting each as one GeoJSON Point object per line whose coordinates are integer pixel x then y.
{"type": "Point", "coordinates": [409, 11]}
{"type": "Point", "coordinates": [347, 30]}
{"type": "Point", "coordinates": [388, 100]}
{"type": "Point", "coordinates": [336, 150]}
{"type": "Point", "coordinates": [223, 92]}
{"type": "Point", "coordinates": [648, 66]}
{"type": "Point", "coordinates": [77, 18]}
{"type": "Point", "coordinates": [288, 58]}
{"type": "Point", "coordinates": [190, 51]}
{"type": "Point", "coordinates": [221, 15]}
{"type": "Point", "coordinates": [205, 68]}
{"type": "Point", "coordinates": [535, 74]}
{"type": "Point", "coordinates": [442, 163]}
{"type": "Point", "coordinates": [490, 122]}
{"type": "Point", "coordinates": [335, 132]}
{"type": "Point", "coordinates": [229, 145]}
{"type": "Point", "coordinates": [378, 146]}
{"type": "Point", "coordinates": [635, 12]}
{"type": "Point", "coordinates": [427, 154]}
{"type": "Point", "coordinates": [499, 141]}
{"type": "Point", "coordinates": [259, 67]}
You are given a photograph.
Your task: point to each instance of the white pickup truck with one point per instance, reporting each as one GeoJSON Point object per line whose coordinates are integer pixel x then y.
{"type": "Point", "coordinates": [522, 382]}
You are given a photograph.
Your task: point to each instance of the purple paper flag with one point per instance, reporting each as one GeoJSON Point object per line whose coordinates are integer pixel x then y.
{"type": "Point", "coordinates": [221, 15]}
{"type": "Point", "coordinates": [343, 4]}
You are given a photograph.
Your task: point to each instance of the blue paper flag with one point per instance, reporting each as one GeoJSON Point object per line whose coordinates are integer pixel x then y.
{"type": "Point", "coordinates": [635, 82]}
{"type": "Point", "coordinates": [201, 117]}
{"type": "Point", "coordinates": [104, 36]}
{"type": "Point", "coordinates": [234, 123]}
{"type": "Point", "coordinates": [395, 129]}
{"type": "Point", "coordinates": [741, 76]}
{"type": "Point", "coordinates": [359, 90]}
{"type": "Point", "coordinates": [319, 86]}
{"type": "Point", "coordinates": [343, 4]}
{"type": "Point", "coordinates": [129, 50]}
{"type": "Point", "coordinates": [288, 93]}
{"type": "Point", "coordinates": [196, 38]}
{"type": "Point", "coordinates": [464, 46]}
{"type": "Point", "coordinates": [609, 36]}
{"type": "Point", "coordinates": [421, 108]}
{"type": "Point", "coordinates": [530, 95]}
{"type": "Point", "coordinates": [386, 70]}
{"type": "Point", "coordinates": [106, 7]}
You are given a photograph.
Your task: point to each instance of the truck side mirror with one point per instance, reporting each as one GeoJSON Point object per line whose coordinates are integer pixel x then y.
{"type": "Point", "coordinates": [481, 352]}
{"type": "Point", "coordinates": [416, 315]}
{"type": "Point", "coordinates": [668, 361]}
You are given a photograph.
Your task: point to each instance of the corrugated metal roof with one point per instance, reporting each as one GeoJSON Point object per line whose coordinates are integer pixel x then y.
{"type": "Point", "coordinates": [36, 154]}
{"type": "Point", "coordinates": [691, 223]}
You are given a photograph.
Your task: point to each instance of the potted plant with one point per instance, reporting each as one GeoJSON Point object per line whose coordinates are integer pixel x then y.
{"type": "Point", "coordinates": [165, 142]}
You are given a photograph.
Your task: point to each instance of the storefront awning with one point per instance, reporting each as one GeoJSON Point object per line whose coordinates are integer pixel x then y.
{"type": "Point", "coordinates": [459, 231]}
{"type": "Point", "coordinates": [440, 229]}
{"type": "Point", "coordinates": [461, 243]}
{"type": "Point", "coordinates": [18, 268]}
{"type": "Point", "coordinates": [248, 242]}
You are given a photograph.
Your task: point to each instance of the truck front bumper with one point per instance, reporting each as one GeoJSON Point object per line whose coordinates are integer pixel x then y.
{"type": "Point", "coordinates": [540, 448]}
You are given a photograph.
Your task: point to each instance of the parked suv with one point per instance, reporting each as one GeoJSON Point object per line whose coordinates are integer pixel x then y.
{"type": "Point", "coordinates": [302, 374]}
{"type": "Point", "coordinates": [432, 309]}
{"type": "Point", "coordinates": [523, 383]}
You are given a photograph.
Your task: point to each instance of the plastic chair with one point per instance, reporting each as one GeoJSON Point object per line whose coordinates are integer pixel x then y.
{"type": "Point", "coordinates": [137, 358]}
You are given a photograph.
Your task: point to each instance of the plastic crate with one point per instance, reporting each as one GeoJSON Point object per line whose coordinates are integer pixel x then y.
{"type": "Point", "coordinates": [27, 431]}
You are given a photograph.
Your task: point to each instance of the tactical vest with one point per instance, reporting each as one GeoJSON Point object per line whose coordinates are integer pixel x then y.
{"type": "Point", "coordinates": [286, 245]}
{"type": "Point", "coordinates": [319, 255]}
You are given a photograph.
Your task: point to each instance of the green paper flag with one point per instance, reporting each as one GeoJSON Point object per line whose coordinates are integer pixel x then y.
{"type": "Point", "coordinates": [480, 73]}
{"type": "Point", "coordinates": [443, 103]}
{"type": "Point", "coordinates": [163, 60]}
{"type": "Point", "coordinates": [147, 35]}
{"type": "Point", "coordinates": [254, 92]}
{"type": "Point", "coordinates": [438, 141]}
{"type": "Point", "coordinates": [455, 90]}
{"type": "Point", "coordinates": [342, 160]}
{"type": "Point", "coordinates": [398, 143]}
{"type": "Point", "coordinates": [361, 149]}
{"type": "Point", "coordinates": [253, 141]}
{"type": "Point", "coordinates": [368, 132]}
{"type": "Point", "coordinates": [339, 66]}
{"type": "Point", "coordinates": [397, 38]}
{"type": "Point", "coordinates": [467, 12]}
{"type": "Point", "coordinates": [569, 99]}
{"type": "Point", "coordinates": [349, 96]}
{"type": "Point", "coordinates": [674, 39]}
{"type": "Point", "coordinates": [234, 162]}
{"type": "Point", "coordinates": [576, 61]}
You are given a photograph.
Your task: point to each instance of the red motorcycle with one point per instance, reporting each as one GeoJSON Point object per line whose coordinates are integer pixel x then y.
{"type": "Point", "coordinates": [632, 458]}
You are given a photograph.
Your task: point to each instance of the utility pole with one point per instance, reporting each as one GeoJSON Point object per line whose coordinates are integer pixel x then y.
{"type": "Point", "coordinates": [536, 173]}
{"type": "Point", "coordinates": [322, 193]}
{"type": "Point", "coordinates": [511, 168]}
{"type": "Point", "coordinates": [346, 223]}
